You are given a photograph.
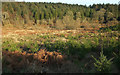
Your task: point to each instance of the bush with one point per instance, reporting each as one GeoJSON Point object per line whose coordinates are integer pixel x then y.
{"type": "Point", "coordinates": [59, 25]}
{"type": "Point", "coordinates": [69, 22]}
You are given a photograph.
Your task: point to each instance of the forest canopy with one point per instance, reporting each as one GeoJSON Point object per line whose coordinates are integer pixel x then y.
{"type": "Point", "coordinates": [59, 15]}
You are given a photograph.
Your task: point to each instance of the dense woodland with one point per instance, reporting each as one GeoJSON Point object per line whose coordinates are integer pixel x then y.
{"type": "Point", "coordinates": [59, 15]}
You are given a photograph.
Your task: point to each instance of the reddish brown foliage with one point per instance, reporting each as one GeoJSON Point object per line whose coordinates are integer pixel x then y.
{"type": "Point", "coordinates": [18, 60]}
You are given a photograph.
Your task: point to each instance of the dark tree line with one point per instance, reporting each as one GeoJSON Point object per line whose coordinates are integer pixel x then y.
{"type": "Point", "coordinates": [49, 13]}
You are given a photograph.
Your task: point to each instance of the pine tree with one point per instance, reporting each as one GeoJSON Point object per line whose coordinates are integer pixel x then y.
{"type": "Point", "coordinates": [77, 15]}
{"type": "Point", "coordinates": [46, 15]}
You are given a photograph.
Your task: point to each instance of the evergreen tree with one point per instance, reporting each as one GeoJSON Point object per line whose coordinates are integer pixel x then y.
{"type": "Point", "coordinates": [46, 14]}
{"type": "Point", "coordinates": [77, 15]}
